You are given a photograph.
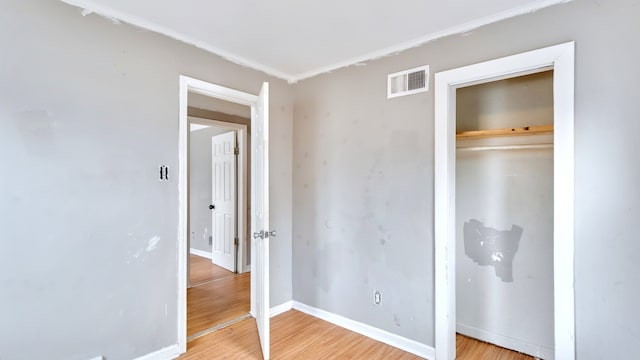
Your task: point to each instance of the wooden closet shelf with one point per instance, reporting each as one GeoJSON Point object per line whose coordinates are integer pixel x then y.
{"type": "Point", "coordinates": [527, 130]}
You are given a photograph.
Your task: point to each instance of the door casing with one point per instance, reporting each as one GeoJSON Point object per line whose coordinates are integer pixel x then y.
{"type": "Point", "coordinates": [560, 58]}
{"type": "Point", "coordinates": [189, 84]}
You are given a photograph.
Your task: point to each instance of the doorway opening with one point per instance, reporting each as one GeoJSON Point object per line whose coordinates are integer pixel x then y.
{"type": "Point", "coordinates": [492, 239]}
{"type": "Point", "coordinates": [218, 263]}
{"type": "Point", "coordinates": [246, 258]}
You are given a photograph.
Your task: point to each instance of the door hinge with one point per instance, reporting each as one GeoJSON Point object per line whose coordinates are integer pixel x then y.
{"type": "Point", "coordinates": [236, 241]}
{"type": "Point", "coordinates": [236, 150]}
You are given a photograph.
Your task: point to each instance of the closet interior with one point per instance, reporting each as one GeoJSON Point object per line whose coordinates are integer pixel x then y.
{"type": "Point", "coordinates": [504, 213]}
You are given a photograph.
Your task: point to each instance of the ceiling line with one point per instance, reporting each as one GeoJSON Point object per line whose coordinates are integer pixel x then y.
{"type": "Point", "coordinates": [291, 79]}
{"type": "Point", "coordinates": [111, 13]}
{"type": "Point", "coordinates": [459, 29]}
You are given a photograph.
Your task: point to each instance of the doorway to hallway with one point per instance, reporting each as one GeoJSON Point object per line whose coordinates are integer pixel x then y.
{"type": "Point", "coordinates": [259, 194]}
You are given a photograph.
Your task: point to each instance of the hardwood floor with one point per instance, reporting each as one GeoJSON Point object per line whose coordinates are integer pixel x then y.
{"type": "Point", "coordinates": [217, 298]}
{"type": "Point", "coordinates": [218, 295]}
{"type": "Point", "coordinates": [472, 349]}
{"type": "Point", "coordinates": [294, 335]}
{"type": "Point", "coordinates": [202, 269]}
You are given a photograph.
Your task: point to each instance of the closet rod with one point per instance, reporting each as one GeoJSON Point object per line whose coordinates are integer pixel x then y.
{"type": "Point", "coordinates": [505, 147]}
{"type": "Point", "coordinates": [527, 130]}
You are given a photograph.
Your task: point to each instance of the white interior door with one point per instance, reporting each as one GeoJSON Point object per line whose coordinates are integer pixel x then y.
{"type": "Point", "coordinates": [260, 215]}
{"type": "Point", "coordinates": [223, 200]}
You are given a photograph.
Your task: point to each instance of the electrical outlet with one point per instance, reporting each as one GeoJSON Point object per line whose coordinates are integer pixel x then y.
{"type": "Point", "coordinates": [210, 240]}
{"type": "Point", "coordinates": [377, 297]}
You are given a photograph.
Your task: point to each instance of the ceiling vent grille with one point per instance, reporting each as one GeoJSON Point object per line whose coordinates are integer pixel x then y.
{"type": "Point", "coordinates": [408, 82]}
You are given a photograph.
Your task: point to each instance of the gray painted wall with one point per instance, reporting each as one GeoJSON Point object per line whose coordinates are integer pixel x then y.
{"type": "Point", "coordinates": [363, 177]}
{"type": "Point", "coordinates": [88, 111]}
{"type": "Point", "coordinates": [200, 187]}
{"type": "Point", "coordinates": [504, 210]}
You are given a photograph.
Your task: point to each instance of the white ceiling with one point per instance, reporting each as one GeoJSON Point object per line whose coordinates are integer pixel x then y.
{"type": "Point", "coordinates": [297, 39]}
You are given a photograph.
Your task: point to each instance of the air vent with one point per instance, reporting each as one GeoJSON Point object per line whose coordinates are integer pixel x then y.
{"type": "Point", "coordinates": [408, 82]}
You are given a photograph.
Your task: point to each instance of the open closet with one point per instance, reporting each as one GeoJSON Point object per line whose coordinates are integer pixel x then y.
{"type": "Point", "coordinates": [504, 213]}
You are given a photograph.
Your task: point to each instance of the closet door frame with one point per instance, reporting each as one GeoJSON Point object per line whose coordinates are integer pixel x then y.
{"type": "Point", "coordinates": [560, 58]}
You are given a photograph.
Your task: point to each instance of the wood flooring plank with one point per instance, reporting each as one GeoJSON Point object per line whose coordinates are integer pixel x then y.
{"type": "Point", "coordinates": [202, 269]}
{"type": "Point", "coordinates": [471, 349]}
{"type": "Point", "coordinates": [218, 301]}
{"type": "Point", "coordinates": [294, 335]}
{"type": "Point", "coordinates": [220, 296]}
{"type": "Point", "coordinates": [239, 341]}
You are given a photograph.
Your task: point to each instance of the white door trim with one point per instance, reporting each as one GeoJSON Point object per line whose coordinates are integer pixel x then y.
{"type": "Point", "coordinates": [201, 87]}
{"type": "Point", "coordinates": [561, 59]}
{"type": "Point", "coordinates": [243, 207]}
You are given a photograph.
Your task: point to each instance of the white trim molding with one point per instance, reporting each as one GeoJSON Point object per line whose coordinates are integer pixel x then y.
{"type": "Point", "coordinates": [369, 331]}
{"type": "Point", "coordinates": [168, 353]}
{"type": "Point", "coordinates": [201, 253]}
{"type": "Point", "coordinates": [560, 58]}
{"type": "Point", "coordinates": [282, 308]}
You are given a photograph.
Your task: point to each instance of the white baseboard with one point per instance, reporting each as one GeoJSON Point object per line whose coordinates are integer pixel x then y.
{"type": "Point", "coordinates": [386, 337]}
{"type": "Point", "coordinates": [168, 353]}
{"type": "Point", "coordinates": [204, 254]}
{"type": "Point", "coordinates": [506, 342]}
{"type": "Point", "coordinates": [284, 307]}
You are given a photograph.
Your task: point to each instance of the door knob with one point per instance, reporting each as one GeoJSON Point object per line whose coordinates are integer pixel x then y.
{"type": "Point", "coordinates": [272, 233]}
{"type": "Point", "coordinates": [211, 207]}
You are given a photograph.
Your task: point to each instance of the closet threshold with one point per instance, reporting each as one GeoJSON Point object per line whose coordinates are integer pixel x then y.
{"type": "Point", "coordinates": [518, 131]}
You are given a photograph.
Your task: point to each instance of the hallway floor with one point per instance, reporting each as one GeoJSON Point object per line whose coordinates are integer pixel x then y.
{"type": "Point", "coordinates": [216, 295]}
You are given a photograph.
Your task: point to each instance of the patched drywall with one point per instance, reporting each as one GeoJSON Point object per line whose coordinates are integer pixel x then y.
{"type": "Point", "coordinates": [88, 112]}
{"type": "Point", "coordinates": [364, 166]}
{"type": "Point", "coordinates": [487, 246]}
